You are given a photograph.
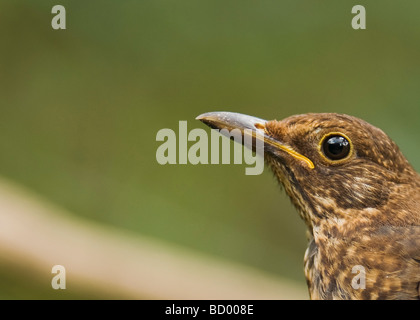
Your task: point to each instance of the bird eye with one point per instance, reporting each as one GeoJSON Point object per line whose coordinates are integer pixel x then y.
{"type": "Point", "coordinates": [336, 147]}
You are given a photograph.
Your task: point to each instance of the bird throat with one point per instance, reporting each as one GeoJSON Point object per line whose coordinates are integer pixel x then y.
{"type": "Point", "coordinates": [297, 195]}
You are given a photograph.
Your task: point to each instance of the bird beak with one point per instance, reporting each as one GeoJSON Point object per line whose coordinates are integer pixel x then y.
{"type": "Point", "coordinates": [231, 121]}
{"type": "Point", "coordinates": [248, 125]}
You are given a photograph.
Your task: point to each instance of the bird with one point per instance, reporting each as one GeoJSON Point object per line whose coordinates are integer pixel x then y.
{"type": "Point", "coordinates": [357, 194]}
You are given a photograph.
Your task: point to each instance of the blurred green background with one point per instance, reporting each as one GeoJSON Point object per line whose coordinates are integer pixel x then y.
{"type": "Point", "coordinates": [80, 109]}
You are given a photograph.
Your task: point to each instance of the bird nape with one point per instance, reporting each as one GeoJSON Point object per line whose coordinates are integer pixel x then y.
{"type": "Point", "coordinates": [356, 192]}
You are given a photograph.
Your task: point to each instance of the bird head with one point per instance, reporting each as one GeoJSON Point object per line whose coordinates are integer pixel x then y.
{"type": "Point", "coordinates": [332, 166]}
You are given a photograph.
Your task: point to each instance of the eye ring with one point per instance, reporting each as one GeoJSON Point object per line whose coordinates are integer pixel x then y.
{"type": "Point", "coordinates": [335, 147]}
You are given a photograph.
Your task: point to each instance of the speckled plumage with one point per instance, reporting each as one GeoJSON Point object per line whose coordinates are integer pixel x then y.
{"type": "Point", "coordinates": [361, 211]}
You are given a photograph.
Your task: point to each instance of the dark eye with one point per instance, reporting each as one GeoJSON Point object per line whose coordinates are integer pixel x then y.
{"type": "Point", "coordinates": [336, 147]}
